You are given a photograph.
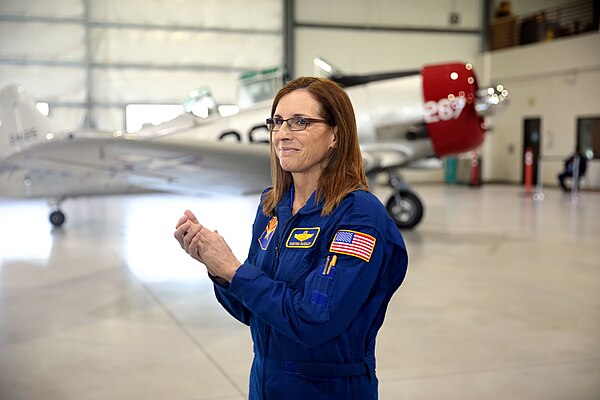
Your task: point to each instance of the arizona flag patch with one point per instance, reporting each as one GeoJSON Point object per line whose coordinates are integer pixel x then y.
{"type": "Point", "coordinates": [353, 243]}
{"type": "Point", "coordinates": [266, 236]}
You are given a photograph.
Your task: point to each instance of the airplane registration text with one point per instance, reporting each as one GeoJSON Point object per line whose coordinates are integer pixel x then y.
{"type": "Point", "coordinates": [19, 138]}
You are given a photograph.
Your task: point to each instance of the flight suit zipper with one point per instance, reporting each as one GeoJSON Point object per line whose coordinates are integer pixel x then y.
{"type": "Point", "coordinates": [272, 272]}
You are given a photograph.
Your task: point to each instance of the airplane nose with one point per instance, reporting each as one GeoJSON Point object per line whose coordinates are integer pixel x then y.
{"type": "Point", "coordinates": [491, 100]}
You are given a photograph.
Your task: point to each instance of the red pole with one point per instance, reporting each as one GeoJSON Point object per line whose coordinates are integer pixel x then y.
{"type": "Point", "coordinates": [474, 169]}
{"type": "Point", "coordinates": [528, 170]}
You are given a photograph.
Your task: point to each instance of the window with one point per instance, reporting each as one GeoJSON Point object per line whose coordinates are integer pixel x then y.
{"type": "Point", "coordinates": [257, 86]}
{"type": "Point", "coordinates": [43, 108]}
{"type": "Point", "coordinates": [138, 115]}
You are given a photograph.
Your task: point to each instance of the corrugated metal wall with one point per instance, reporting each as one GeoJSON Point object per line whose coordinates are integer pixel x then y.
{"type": "Point", "coordinates": [89, 59]}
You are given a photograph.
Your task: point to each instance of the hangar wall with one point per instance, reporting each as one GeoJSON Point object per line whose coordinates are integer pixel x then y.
{"type": "Point", "coordinates": [367, 36]}
{"type": "Point", "coordinates": [558, 82]}
{"type": "Point", "coordinates": [108, 53]}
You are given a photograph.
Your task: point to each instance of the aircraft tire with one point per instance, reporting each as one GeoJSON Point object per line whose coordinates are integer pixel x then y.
{"type": "Point", "coordinates": [407, 212]}
{"type": "Point", "coordinates": [57, 218]}
{"type": "Point", "coordinates": [236, 135]}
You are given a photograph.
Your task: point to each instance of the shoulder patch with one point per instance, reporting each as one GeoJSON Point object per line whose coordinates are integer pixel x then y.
{"type": "Point", "coordinates": [352, 243]}
{"type": "Point", "coordinates": [302, 238]}
{"type": "Point", "coordinates": [266, 236]}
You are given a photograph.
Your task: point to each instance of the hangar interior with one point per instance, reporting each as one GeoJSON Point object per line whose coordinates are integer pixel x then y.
{"type": "Point", "coordinates": [90, 60]}
{"type": "Point", "coordinates": [503, 292]}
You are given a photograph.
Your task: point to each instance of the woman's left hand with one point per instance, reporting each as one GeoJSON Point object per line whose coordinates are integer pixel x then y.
{"type": "Point", "coordinates": [206, 246]}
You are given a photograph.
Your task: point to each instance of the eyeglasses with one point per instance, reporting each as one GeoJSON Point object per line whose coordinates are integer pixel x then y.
{"type": "Point", "coordinates": [294, 123]}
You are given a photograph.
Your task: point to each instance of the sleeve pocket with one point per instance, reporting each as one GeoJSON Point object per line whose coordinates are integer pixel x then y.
{"type": "Point", "coordinates": [318, 297]}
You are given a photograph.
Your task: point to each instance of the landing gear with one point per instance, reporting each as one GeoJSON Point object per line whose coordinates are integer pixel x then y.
{"type": "Point", "coordinates": [405, 208]}
{"type": "Point", "coordinates": [57, 218]}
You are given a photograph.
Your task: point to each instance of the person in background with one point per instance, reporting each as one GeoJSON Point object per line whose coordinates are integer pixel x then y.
{"type": "Point", "coordinates": [569, 167]}
{"type": "Point", "coordinates": [324, 261]}
{"type": "Point", "coordinates": [504, 9]}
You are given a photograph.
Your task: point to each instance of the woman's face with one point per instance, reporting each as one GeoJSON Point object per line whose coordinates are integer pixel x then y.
{"type": "Point", "coordinates": [302, 152]}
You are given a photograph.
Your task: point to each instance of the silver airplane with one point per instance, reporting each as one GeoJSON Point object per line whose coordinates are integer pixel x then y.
{"type": "Point", "coordinates": [405, 120]}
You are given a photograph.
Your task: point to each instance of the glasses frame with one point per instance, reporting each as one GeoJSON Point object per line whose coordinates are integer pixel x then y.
{"type": "Point", "coordinates": [271, 123]}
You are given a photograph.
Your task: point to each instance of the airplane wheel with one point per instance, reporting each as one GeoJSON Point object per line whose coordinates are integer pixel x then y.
{"type": "Point", "coordinates": [57, 218]}
{"type": "Point", "coordinates": [406, 209]}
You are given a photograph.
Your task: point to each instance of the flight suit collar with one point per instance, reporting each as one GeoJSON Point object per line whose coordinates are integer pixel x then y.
{"type": "Point", "coordinates": [285, 205]}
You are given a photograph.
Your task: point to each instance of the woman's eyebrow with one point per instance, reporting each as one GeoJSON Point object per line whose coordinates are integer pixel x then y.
{"type": "Point", "coordinates": [293, 115]}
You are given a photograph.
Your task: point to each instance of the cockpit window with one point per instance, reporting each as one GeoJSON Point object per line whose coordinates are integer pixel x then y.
{"type": "Point", "coordinates": [258, 86]}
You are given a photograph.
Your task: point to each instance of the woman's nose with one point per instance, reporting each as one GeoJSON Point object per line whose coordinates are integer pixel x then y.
{"type": "Point", "coordinates": [285, 132]}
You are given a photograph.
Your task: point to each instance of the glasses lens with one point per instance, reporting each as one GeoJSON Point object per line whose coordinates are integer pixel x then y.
{"type": "Point", "coordinates": [274, 123]}
{"type": "Point", "coordinates": [298, 123]}
{"type": "Point", "coordinates": [277, 122]}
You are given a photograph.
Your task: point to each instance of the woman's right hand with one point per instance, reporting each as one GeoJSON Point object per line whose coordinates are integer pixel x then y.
{"type": "Point", "coordinates": [186, 225]}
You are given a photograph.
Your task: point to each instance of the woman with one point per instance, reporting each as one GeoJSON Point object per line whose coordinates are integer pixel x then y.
{"type": "Point", "coordinates": [324, 261]}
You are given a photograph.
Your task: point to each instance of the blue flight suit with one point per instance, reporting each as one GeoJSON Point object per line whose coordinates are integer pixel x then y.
{"type": "Point", "coordinates": [314, 321]}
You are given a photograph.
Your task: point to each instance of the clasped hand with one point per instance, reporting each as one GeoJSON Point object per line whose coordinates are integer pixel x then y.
{"type": "Point", "coordinates": [206, 246]}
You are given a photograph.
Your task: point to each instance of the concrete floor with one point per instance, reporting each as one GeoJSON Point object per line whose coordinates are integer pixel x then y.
{"type": "Point", "coordinates": [502, 300]}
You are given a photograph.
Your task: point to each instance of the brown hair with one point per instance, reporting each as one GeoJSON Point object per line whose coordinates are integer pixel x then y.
{"type": "Point", "coordinates": [344, 172]}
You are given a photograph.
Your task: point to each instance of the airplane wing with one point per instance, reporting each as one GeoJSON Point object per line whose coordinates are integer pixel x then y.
{"type": "Point", "coordinates": [94, 163]}
{"type": "Point", "coordinates": [393, 155]}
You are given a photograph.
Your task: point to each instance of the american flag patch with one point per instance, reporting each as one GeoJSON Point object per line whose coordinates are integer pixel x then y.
{"type": "Point", "coordinates": [354, 244]}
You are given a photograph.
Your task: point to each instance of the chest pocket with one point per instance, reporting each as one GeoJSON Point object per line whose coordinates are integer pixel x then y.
{"type": "Point", "coordinates": [296, 262]}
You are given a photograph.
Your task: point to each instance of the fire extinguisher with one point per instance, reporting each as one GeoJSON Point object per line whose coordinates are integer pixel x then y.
{"type": "Point", "coordinates": [528, 169]}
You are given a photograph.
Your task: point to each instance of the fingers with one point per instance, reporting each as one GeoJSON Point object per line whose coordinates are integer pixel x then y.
{"type": "Point", "coordinates": [197, 241]}
{"type": "Point", "coordinates": [187, 215]}
{"type": "Point", "coordinates": [181, 230]}
{"type": "Point", "coordinates": [191, 216]}
{"type": "Point", "coordinates": [189, 235]}
{"type": "Point", "coordinates": [196, 247]}
{"type": "Point", "coordinates": [184, 223]}
{"type": "Point", "coordinates": [185, 232]}
{"type": "Point", "coordinates": [181, 221]}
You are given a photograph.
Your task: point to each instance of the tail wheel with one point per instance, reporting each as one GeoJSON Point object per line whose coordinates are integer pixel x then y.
{"type": "Point", "coordinates": [57, 218]}
{"type": "Point", "coordinates": [406, 209]}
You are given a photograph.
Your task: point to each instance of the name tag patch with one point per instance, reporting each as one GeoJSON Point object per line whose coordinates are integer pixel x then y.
{"type": "Point", "coordinates": [302, 238]}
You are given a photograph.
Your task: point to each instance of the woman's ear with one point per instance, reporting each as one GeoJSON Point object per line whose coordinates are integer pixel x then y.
{"type": "Point", "coordinates": [333, 144]}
